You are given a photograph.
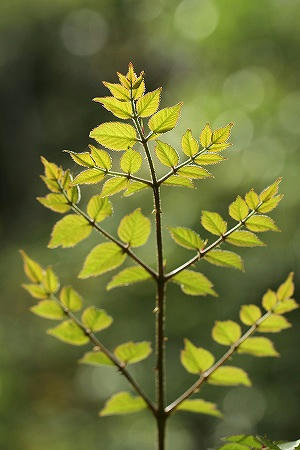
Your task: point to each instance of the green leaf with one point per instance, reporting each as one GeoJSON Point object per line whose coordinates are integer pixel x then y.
{"type": "Point", "coordinates": [226, 332]}
{"type": "Point", "coordinates": [48, 309]}
{"type": "Point", "coordinates": [31, 268]}
{"type": "Point", "coordinates": [115, 135]}
{"type": "Point", "coordinates": [252, 199]}
{"type": "Point", "coordinates": [286, 306]}
{"type": "Point", "coordinates": [134, 229]}
{"type": "Point", "coordinates": [55, 202]}
{"type": "Point", "coordinates": [193, 283]}
{"type": "Point", "coordinates": [189, 144]}
{"type": "Point", "coordinates": [194, 172]}
{"type": "Point", "coordinates": [286, 289]}
{"type": "Point", "coordinates": [89, 176]}
{"type": "Point", "coordinates": [166, 154]}
{"type": "Point", "coordinates": [52, 171]}
{"type": "Point", "coordinates": [165, 119]}
{"type": "Point", "coordinates": [271, 204]}
{"type": "Point", "coordinates": [289, 445]}
{"type": "Point", "coordinates": [258, 346]}
{"type": "Point", "coordinates": [177, 180]}
{"type": "Point", "coordinates": [118, 91]}
{"type": "Point", "coordinates": [36, 290]}
{"type": "Point", "coordinates": [238, 209]}
{"type": "Point", "coordinates": [96, 358]}
{"type": "Point", "coordinates": [187, 238]}
{"type": "Point", "coordinates": [70, 298]}
{"type": "Point", "coordinates": [120, 109]}
{"type": "Point", "coordinates": [269, 300]}
{"type": "Point", "coordinates": [209, 158]}
{"type": "Point", "coordinates": [69, 332]}
{"type": "Point", "coordinates": [270, 191]}
{"type": "Point", "coordinates": [70, 230]}
{"type": "Point", "coordinates": [218, 147]}
{"type": "Point", "coordinates": [99, 208]}
{"type": "Point", "coordinates": [148, 104]}
{"type": "Point", "coordinates": [123, 403]}
{"type": "Point", "coordinates": [229, 376]}
{"type": "Point", "coordinates": [133, 187]}
{"type": "Point", "coordinates": [133, 352]}
{"type": "Point", "coordinates": [269, 445]}
{"type": "Point", "coordinates": [234, 446]}
{"type": "Point", "coordinates": [249, 314]}
{"type": "Point", "coordinates": [100, 158]}
{"type": "Point", "coordinates": [195, 359]}
{"type": "Point", "coordinates": [130, 275]}
{"type": "Point", "coordinates": [50, 281]}
{"type": "Point", "coordinates": [199, 406]}
{"type": "Point", "coordinates": [131, 161]}
{"type": "Point", "coordinates": [82, 159]}
{"type": "Point", "coordinates": [244, 239]}
{"type": "Point", "coordinates": [213, 223]}
{"type": "Point", "coordinates": [224, 258]}
{"type": "Point", "coordinates": [274, 324]}
{"type": "Point", "coordinates": [259, 223]}
{"type": "Point", "coordinates": [245, 439]}
{"type": "Point", "coordinates": [113, 186]}
{"type": "Point", "coordinates": [206, 136]}
{"type": "Point", "coordinates": [221, 135]}
{"type": "Point", "coordinates": [96, 319]}
{"type": "Point", "coordinates": [103, 258]}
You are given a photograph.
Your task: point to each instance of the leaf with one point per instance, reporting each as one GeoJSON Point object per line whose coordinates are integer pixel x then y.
{"type": "Point", "coordinates": [52, 171]}
{"type": "Point", "coordinates": [286, 306]}
{"type": "Point", "coordinates": [218, 147]}
{"type": "Point", "coordinates": [31, 268]}
{"type": "Point", "coordinates": [50, 281]}
{"type": "Point", "coordinates": [226, 332]}
{"type": "Point", "coordinates": [68, 231]}
{"type": "Point", "coordinates": [244, 239]}
{"type": "Point", "coordinates": [118, 91]}
{"type": "Point", "coordinates": [224, 258]}
{"type": "Point", "coordinates": [177, 180]}
{"type": "Point", "coordinates": [269, 445]}
{"type": "Point", "coordinates": [194, 172]}
{"type": "Point", "coordinates": [289, 445]}
{"type": "Point", "coordinates": [82, 159]}
{"type": "Point", "coordinates": [258, 346]}
{"type": "Point", "coordinates": [69, 332]}
{"type": "Point", "coordinates": [189, 144]}
{"type": "Point", "coordinates": [195, 359]}
{"type": "Point", "coordinates": [115, 135]}
{"type": "Point", "coordinates": [123, 403]}
{"type": "Point", "coordinates": [133, 187]}
{"type": "Point", "coordinates": [234, 446]}
{"type": "Point", "coordinates": [245, 439]}
{"type": "Point", "coordinates": [131, 161]}
{"type": "Point", "coordinates": [96, 319]}
{"type": "Point", "coordinates": [209, 158]}
{"type": "Point", "coordinates": [270, 204]}
{"type": "Point", "coordinates": [165, 119]}
{"type": "Point", "coordinates": [206, 136]}
{"type": "Point", "coordinates": [221, 135]}
{"type": "Point", "coordinates": [229, 376]}
{"type": "Point", "coordinates": [213, 223]}
{"type": "Point", "coordinates": [70, 298]}
{"type": "Point", "coordinates": [166, 154]}
{"type": "Point", "coordinates": [270, 191]}
{"type": "Point", "coordinates": [130, 275]}
{"type": "Point", "coordinates": [103, 258]}
{"type": "Point", "coordinates": [133, 352]}
{"type": "Point", "coordinates": [199, 406]}
{"type": "Point", "coordinates": [148, 104]}
{"type": "Point", "coordinates": [193, 283]}
{"type": "Point", "coordinates": [96, 358]}
{"type": "Point", "coordinates": [113, 186]}
{"type": "Point", "coordinates": [134, 229]}
{"type": "Point", "coordinates": [100, 158]}
{"type": "Point", "coordinates": [269, 300]}
{"type": "Point", "coordinates": [89, 176]}
{"type": "Point", "coordinates": [286, 289]}
{"type": "Point", "coordinates": [238, 209]}
{"type": "Point", "coordinates": [121, 109]}
{"type": "Point", "coordinates": [274, 324]}
{"type": "Point", "coordinates": [259, 223]}
{"type": "Point", "coordinates": [36, 290]}
{"type": "Point", "coordinates": [249, 314]}
{"type": "Point", "coordinates": [186, 238]}
{"type": "Point", "coordinates": [55, 202]}
{"type": "Point", "coordinates": [252, 199]}
{"type": "Point", "coordinates": [99, 208]}
{"type": "Point", "coordinates": [48, 309]}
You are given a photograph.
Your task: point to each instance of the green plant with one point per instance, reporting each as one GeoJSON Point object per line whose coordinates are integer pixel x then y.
{"type": "Point", "coordinates": [129, 102]}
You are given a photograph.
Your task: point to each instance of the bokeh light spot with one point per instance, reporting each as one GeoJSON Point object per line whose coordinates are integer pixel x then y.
{"type": "Point", "coordinates": [244, 88]}
{"type": "Point", "coordinates": [289, 112]}
{"type": "Point", "coordinates": [196, 19]}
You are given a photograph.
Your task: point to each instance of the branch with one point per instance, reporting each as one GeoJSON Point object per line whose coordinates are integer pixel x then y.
{"type": "Point", "coordinates": [122, 174]}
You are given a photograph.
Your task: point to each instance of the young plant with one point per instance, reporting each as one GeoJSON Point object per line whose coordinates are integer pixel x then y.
{"type": "Point", "coordinates": [143, 136]}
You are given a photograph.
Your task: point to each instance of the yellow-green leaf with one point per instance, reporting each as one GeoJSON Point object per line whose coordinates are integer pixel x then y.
{"type": "Point", "coordinates": [165, 119]}
{"type": "Point", "coordinates": [209, 158]}
{"type": "Point", "coordinates": [238, 209]}
{"type": "Point", "coordinates": [133, 352]}
{"type": "Point", "coordinates": [123, 403]}
{"type": "Point", "coordinates": [70, 230]}
{"type": "Point", "coordinates": [99, 208]}
{"type": "Point", "coordinates": [131, 161]}
{"type": "Point", "coordinates": [252, 199]}
{"type": "Point", "coordinates": [218, 147]}
{"type": "Point", "coordinates": [133, 187]}
{"type": "Point", "coordinates": [186, 238]}
{"type": "Point", "coordinates": [271, 204]}
{"type": "Point", "coordinates": [249, 314]}
{"type": "Point", "coordinates": [213, 223]}
{"type": "Point", "coordinates": [123, 80]}
{"type": "Point", "coordinates": [49, 309]}
{"type": "Point", "coordinates": [121, 109]}
{"type": "Point", "coordinates": [134, 229]}
{"type": "Point", "coordinates": [224, 258]}
{"type": "Point", "coordinates": [286, 289]}
{"type": "Point", "coordinates": [69, 332]}
{"type": "Point", "coordinates": [114, 135]}
{"type": "Point", "coordinates": [55, 202]}
{"type": "Point", "coordinates": [244, 239]}
{"type": "Point", "coordinates": [89, 176]}
{"type": "Point", "coordinates": [269, 300]}
{"type": "Point", "coordinates": [70, 298]}
{"type": "Point", "coordinates": [239, 440]}
{"type": "Point", "coordinates": [274, 324]}
{"type": "Point", "coordinates": [193, 283]}
{"type": "Point", "coordinates": [82, 159]}
{"type": "Point", "coordinates": [130, 275]}
{"type": "Point", "coordinates": [177, 180]}
{"type": "Point", "coordinates": [103, 258]}
{"type": "Point", "coordinates": [148, 104]}
{"type": "Point", "coordinates": [113, 186]}
{"type": "Point", "coordinates": [221, 135]}
{"type": "Point", "coordinates": [36, 290]}
{"type": "Point", "coordinates": [118, 91]}
{"type": "Point", "coordinates": [166, 154]}
{"type": "Point", "coordinates": [198, 405]}
{"type": "Point", "coordinates": [189, 144]}
{"type": "Point", "coordinates": [261, 223]}
{"type": "Point", "coordinates": [229, 376]}
{"type": "Point", "coordinates": [96, 358]}
{"type": "Point", "coordinates": [206, 136]}
{"type": "Point", "coordinates": [270, 191]}
{"type": "Point", "coordinates": [226, 332]}
{"type": "Point", "coordinates": [194, 172]}
{"type": "Point", "coordinates": [50, 281]}
{"type": "Point", "coordinates": [286, 306]}
{"type": "Point", "coordinates": [31, 268]}
{"type": "Point", "coordinates": [258, 346]}
{"type": "Point", "coordinates": [52, 171]}
{"type": "Point", "coordinates": [100, 158]}
{"type": "Point", "coordinates": [195, 359]}
{"type": "Point", "coordinates": [96, 319]}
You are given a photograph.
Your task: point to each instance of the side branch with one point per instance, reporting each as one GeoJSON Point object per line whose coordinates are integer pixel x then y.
{"type": "Point", "coordinates": [123, 174]}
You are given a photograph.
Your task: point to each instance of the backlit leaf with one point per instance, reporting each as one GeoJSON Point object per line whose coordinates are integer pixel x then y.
{"type": "Point", "coordinates": [270, 191]}
{"type": "Point", "coordinates": [259, 223]}
{"type": "Point", "coordinates": [69, 332]}
{"type": "Point", "coordinates": [133, 187]}
{"type": "Point", "coordinates": [198, 405]}
{"type": "Point", "coordinates": [118, 91]}
{"type": "Point", "coordinates": [194, 172]}
{"type": "Point", "coordinates": [121, 109]}
{"type": "Point", "coordinates": [123, 403]}
{"type": "Point", "coordinates": [244, 239]}
{"type": "Point", "coordinates": [82, 159]}
{"type": "Point", "coordinates": [96, 319]}
{"type": "Point", "coordinates": [252, 199]}
{"type": "Point", "coordinates": [49, 309]}
{"type": "Point", "coordinates": [89, 176]}
{"type": "Point", "coordinates": [224, 258]}
{"type": "Point", "coordinates": [238, 209]}
{"type": "Point", "coordinates": [130, 275]}
{"type": "Point", "coordinates": [258, 346]}
{"type": "Point", "coordinates": [218, 147]}
{"type": "Point", "coordinates": [165, 119]}
{"type": "Point", "coordinates": [269, 300]}
{"type": "Point", "coordinates": [133, 352]}
{"type": "Point", "coordinates": [134, 229]}
{"type": "Point", "coordinates": [31, 268]}
{"type": "Point", "coordinates": [193, 283]}
{"type": "Point", "coordinates": [55, 202]}
{"type": "Point", "coordinates": [209, 158]}
{"type": "Point", "coordinates": [221, 135]}
{"type": "Point", "coordinates": [166, 154]}
{"type": "Point", "coordinates": [36, 290]}
{"type": "Point", "coordinates": [114, 135]}
{"type": "Point", "coordinates": [286, 306]}
{"type": "Point", "coordinates": [148, 104]}
{"type": "Point", "coordinates": [249, 314]}
{"type": "Point", "coordinates": [206, 136]}
{"type": "Point", "coordinates": [186, 238]}
{"type": "Point", "coordinates": [195, 359]}
{"type": "Point", "coordinates": [50, 281]}
{"type": "Point", "coordinates": [113, 186]}
{"type": "Point", "coordinates": [248, 440]}
{"type": "Point", "coordinates": [271, 204]}
{"type": "Point", "coordinates": [177, 180]}
{"type": "Point", "coordinates": [226, 332]}
{"type": "Point", "coordinates": [103, 258]}
{"type": "Point", "coordinates": [286, 289]}
{"type": "Point", "coordinates": [70, 298]}
{"type": "Point", "coordinates": [274, 324]}
{"type": "Point", "coordinates": [99, 208]}
{"type": "Point", "coordinates": [52, 171]}
{"type": "Point", "coordinates": [229, 376]}
{"type": "Point", "coordinates": [189, 144]}
{"type": "Point", "coordinates": [213, 223]}
{"type": "Point", "coordinates": [68, 231]}
{"type": "Point", "coordinates": [100, 158]}
{"type": "Point", "coordinates": [131, 161]}
{"type": "Point", "coordinates": [96, 358]}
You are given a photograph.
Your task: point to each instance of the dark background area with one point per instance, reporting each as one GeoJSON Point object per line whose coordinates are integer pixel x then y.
{"type": "Point", "coordinates": [228, 61]}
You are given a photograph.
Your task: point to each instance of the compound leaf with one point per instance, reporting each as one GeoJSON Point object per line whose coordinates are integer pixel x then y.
{"type": "Point", "coordinates": [286, 306]}
{"type": "Point", "coordinates": [50, 281]}
{"type": "Point", "coordinates": [187, 238]}
{"type": "Point", "coordinates": [258, 346]}
{"type": "Point", "coordinates": [96, 319]}
{"type": "Point", "coordinates": [69, 332]}
{"type": "Point", "coordinates": [82, 159]}
{"type": "Point", "coordinates": [134, 229]}
{"type": "Point", "coordinates": [269, 300]}
{"type": "Point", "coordinates": [213, 223]}
{"type": "Point", "coordinates": [103, 258]}
{"type": "Point", "coordinates": [89, 176]}
{"type": "Point", "coordinates": [270, 191]}
{"type": "Point", "coordinates": [226, 332]}
{"type": "Point", "coordinates": [68, 231]}
{"type": "Point", "coordinates": [165, 119]}
{"type": "Point", "coordinates": [123, 403]}
{"type": "Point", "coordinates": [221, 135]}
{"type": "Point", "coordinates": [198, 405]}
{"type": "Point", "coordinates": [115, 135]}
{"type": "Point", "coordinates": [36, 290]}
{"type": "Point", "coordinates": [229, 376]}
{"type": "Point", "coordinates": [224, 258]}
{"type": "Point", "coordinates": [130, 275]}
{"type": "Point", "coordinates": [31, 268]}
{"type": "Point", "coordinates": [195, 359]}
{"type": "Point", "coordinates": [120, 109]}
{"type": "Point", "coordinates": [49, 309]}
{"type": "Point", "coordinates": [100, 158]}
{"type": "Point", "coordinates": [193, 283]}
{"type": "Point", "coordinates": [118, 91]}
{"type": "Point", "coordinates": [133, 352]}
{"type": "Point", "coordinates": [286, 289]}
{"type": "Point", "coordinates": [252, 199]}
{"type": "Point", "coordinates": [55, 202]}
{"type": "Point", "coordinates": [271, 204]}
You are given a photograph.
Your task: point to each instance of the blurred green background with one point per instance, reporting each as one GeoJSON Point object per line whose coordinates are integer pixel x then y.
{"type": "Point", "coordinates": [228, 61]}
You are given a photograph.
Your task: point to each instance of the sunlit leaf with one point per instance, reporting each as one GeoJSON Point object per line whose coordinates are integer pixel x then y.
{"type": "Point", "coordinates": [258, 346]}
{"type": "Point", "coordinates": [238, 209]}
{"type": "Point", "coordinates": [133, 352]}
{"type": "Point", "coordinates": [218, 147]}
{"type": "Point", "coordinates": [198, 405]}
{"type": "Point", "coordinates": [186, 238]}
{"type": "Point", "coordinates": [221, 135]}
{"type": "Point", "coordinates": [100, 158]}
{"type": "Point", "coordinates": [133, 187]}
{"type": "Point", "coordinates": [69, 332]}
{"type": "Point", "coordinates": [89, 176]}
{"type": "Point", "coordinates": [213, 223]}
{"type": "Point", "coordinates": [123, 403]}
{"type": "Point", "coordinates": [96, 319]}
{"type": "Point", "coordinates": [31, 268]}
{"type": "Point", "coordinates": [131, 161]}
{"type": "Point", "coordinates": [52, 171]}
{"type": "Point", "coordinates": [113, 186]}
{"type": "Point", "coordinates": [252, 199]}
{"type": "Point", "coordinates": [269, 300]}
{"type": "Point", "coordinates": [165, 119]}
{"type": "Point", "coordinates": [70, 298]}
{"type": "Point", "coordinates": [249, 314]}
{"type": "Point", "coordinates": [103, 258]}
{"type": "Point", "coordinates": [49, 309]}
{"type": "Point", "coordinates": [244, 439]}
{"type": "Point", "coordinates": [206, 136]}
{"type": "Point", "coordinates": [286, 306]}
{"type": "Point", "coordinates": [99, 208]}
{"type": "Point", "coordinates": [166, 154]}
{"type": "Point", "coordinates": [195, 359]}
{"type": "Point", "coordinates": [193, 283]}
{"type": "Point", "coordinates": [226, 332]}
{"type": "Point", "coordinates": [121, 109]}
{"type": "Point", "coordinates": [36, 290]}
{"type": "Point", "coordinates": [50, 281]}
{"type": "Point", "coordinates": [82, 159]}
{"type": "Point", "coordinates": [70, 230]}
{"type": "Point", "coordinates": [130, 275]}
{"type": "Point", "coordinates": [177, 180]}
{"type": "Point", "coordinates": [286, 289]}
{"type": "Point", "coordinates": [234, 446]}
{"type": "Point", "coordinates": [209, 158]}
{"type": "Point", "coordinates": [118, 91]}
{"type": "Point", "coordinates": [261, 223]}
{"type": "Point", "coordinates": [229, 376]}
{"type": "Point", "coordinates": [148, 104]}
{"type": "Point", "coordinates": [194, 172]}
{"type": "Point", "coordinates": [244, 239]}
{"type": "Point", "coordinates": [224, 258]}
{"type": "Point", "coordinates": [271, 204]}
{"type": "Point", "coordinates": [189, 144]}
{"type": "Point", "coordinates": [270, 191]}
{"type": "Point", "coordinates": [134, 229]}
{"type": "Point", "coordinates": [114, 135]}
{"type": "Point", "coordinates": [55, 202]}
{"type": "Point", "coordinates": [274, 324]}
{"type": "Point", "coordinates": [96, 358]}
